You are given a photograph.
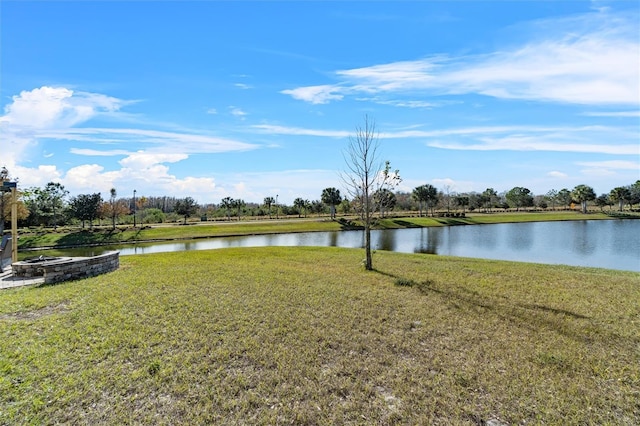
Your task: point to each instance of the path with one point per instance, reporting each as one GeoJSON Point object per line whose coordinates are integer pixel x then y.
{"type": "Point", "coordinates": [8, 280]}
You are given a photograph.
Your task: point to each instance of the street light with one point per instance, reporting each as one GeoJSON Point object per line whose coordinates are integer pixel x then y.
{"type": "Point", "coordinates": [134, 208]}
{"type": "Point", "coordinates": [277, 207]}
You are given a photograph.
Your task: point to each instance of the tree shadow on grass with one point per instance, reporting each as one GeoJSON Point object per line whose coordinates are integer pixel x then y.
{"type": "Point", "coordinates": [406, 224]}
{"type": "Point", "coordinates": [349, 225]}
{"type": "Point", "coordinates": [531, 316]}
{"type": "Point", "coordinates": [452, 221]}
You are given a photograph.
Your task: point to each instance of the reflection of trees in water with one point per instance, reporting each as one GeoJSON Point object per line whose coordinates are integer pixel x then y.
{"type": "Point", "coordinates": [386, 240]}
{"type": "Point", "coordinates": [582, 243]}
{"type": "Point", "coordinates": [605, 243]}
{"type": "Point", "coordinates": [520, 237]}
{"type": "Point", "coordinates": [429, 241]}
{"type": "Point", "coordinates": [333, 239]}
{"type": "Point", "coordinates": [486, 237]}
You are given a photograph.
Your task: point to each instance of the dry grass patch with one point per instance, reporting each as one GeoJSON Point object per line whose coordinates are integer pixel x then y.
{"type": "Point", "coordinates": [306, 336]}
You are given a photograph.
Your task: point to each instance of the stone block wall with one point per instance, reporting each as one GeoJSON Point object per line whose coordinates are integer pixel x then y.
{"type": "Point", "coordinates": [81, 267]}
{"type": "Point", "coordinates": [71, 268]}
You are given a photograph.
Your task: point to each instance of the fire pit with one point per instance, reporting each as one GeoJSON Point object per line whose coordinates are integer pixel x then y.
{"type": "Point", "coordinates": [56, 269]}
{"type": "Point", "coordinates": [41, 259]}
{"type": "Point", "coordinates": [35, 266]}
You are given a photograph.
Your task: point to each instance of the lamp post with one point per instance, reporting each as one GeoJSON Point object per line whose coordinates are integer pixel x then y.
{"type": "Point", "coordinates": [134, 208]}
{"type": "Point", "coordinates": [277, 217]}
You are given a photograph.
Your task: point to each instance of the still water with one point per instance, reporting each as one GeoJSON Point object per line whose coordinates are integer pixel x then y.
{"type": "Point", "coordinates": [612, 244]}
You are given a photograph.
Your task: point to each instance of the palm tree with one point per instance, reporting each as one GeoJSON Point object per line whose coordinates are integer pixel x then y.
{"type": "Point", "coordinates": [583, 194]}
{"type": "Point", "coordinates": [268, 202]}
{"type": "Point", "coordinates": [620, 194]}
{"type": "Point", "coordinates": [427, 194]}
{"type": "Point", "coordinates": [489, 197]}
{"type": "Point", "coordinates": [238, 205]}
{"type": "Point", "coordinates": [331, 197]}
{"type": "Point", "coordinates": [227, 203]}
{"type": "Point", "coordinates": [299, 204]}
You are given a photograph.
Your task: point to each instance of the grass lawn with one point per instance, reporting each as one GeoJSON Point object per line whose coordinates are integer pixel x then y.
{"type": "Point", "coordinates": [305, 336]}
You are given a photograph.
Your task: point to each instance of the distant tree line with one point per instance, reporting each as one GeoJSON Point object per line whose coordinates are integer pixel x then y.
{"type": "Point", "coordinates": [51, 206]}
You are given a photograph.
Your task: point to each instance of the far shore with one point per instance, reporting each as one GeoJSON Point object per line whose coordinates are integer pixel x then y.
{"type": "Point", "coordinates": [105, 234]}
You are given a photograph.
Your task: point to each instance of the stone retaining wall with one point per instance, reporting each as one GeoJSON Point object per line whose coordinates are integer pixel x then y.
{"type": "Point", "coordinates": [71, 268]}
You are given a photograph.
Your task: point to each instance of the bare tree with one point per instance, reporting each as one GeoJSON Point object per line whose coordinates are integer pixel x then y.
{"type": "Point", "coordinates": [365, 175]}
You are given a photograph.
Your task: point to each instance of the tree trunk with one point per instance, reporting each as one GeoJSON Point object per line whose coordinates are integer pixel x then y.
{"type": "Point", "coordinates": [367, 239]}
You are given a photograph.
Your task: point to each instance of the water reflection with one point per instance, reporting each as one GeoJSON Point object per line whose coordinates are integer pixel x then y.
{"type": "Point", "coordinates": [613, 244]}
{"type": "Point", "coordinates": [428, 241]}
{"type": "Point", "coordinates": [386, 240]}
{"type": "Point", "coordinates": [582, 241]}
{"type": "Point", "coordinates": [521, 239]}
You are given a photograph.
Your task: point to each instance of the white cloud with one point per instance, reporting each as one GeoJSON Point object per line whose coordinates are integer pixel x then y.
{"type": "Point", "coordinates": [452, 185]}
{"type": "Point", "coordinates": [243, 86]}
{"type": "Point", "coordinates": [192, 185]}
{"type": "Point", "coordinates": [589, 59]}
{"type": "Point", "coordinates": [401, 103]}
{"type": "Point", "coordinates": [613, 114]}
{"type": "Point", "coordinates": [613, 164]}
{"type": "Point", "coordinates": [56, 107]}
{"type": "Point", "coordinates": [55, 113]}
{"type": "Point", "coordinates": [297, 131]}
{"type": "Point", "coordinates": [499, 138]}
{"type": "Point", "coordinates": [212, 111]}
{"type": "Point", "coordinates": [85, 177]}
{"type": "Point", "coordinates": [143, 160]}
{"type": "Point", "coordinates": [315, 94]}
{"type": "Point", "coordinates": [145, 172]}
{"type": "Point", "coordinates": [47, 114]}
{"type": "Point", "coordinates": [531, 143]}
{"type": "Point", "coordinates": [557, 174]}
{"type": "Point", "coordinates": [237, 112]}
{"type": "Point", "coordinates": [44, 108]}
{"type": "Point", "coordinates": [286, 184]}
{"type": "Point", "coordinates": [597, 172]}
{"type": "Point", "coordinates": [99, 153]}
{"type": "Point", "coordinates": [161, 140]}
{"type": "Point", "coordinates": [39, 176]}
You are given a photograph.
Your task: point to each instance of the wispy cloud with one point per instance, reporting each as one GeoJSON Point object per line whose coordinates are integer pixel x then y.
{"type": "Point", "coordinates": [160, 140]}
{"type": "Point", "coordinates": [297, 131]}
{"type": "Point", "coordinates": [557, 175]}
{"type": "Point", "coordinates": [585, 139]}
{"type": "Point", "coordinates": [316, 94]}
{"type": "Point", "coordinates": [590, 59]}
{"type": "Point", "coordinates": [613, 114]}
{"type": "Point", "coordinates": [243, 86]}
{"type": "Point", "coordinates": [402, 103]}
{"type": "Point", "coordinates": [58, 113]}
{"type": "Point", "coordinates": [613, 164]}
{"type": "Point", "coordinates": [237, 112]}
{"type": "Point", "coordinates": [57, 107]}
{"type": "Point", "coordinates": [99, 153]}
{"type": "Point", "coordinates": [50, 114]}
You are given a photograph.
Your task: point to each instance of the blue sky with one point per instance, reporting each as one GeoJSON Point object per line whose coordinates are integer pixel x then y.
{"type": "Point", "coordinates": [253, 99]}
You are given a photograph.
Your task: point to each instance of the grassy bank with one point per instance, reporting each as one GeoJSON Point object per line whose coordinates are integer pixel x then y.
{"type": "Point", "coordinates": [306, 336]}
{"type": "Point", "coordinates": [48, 238]}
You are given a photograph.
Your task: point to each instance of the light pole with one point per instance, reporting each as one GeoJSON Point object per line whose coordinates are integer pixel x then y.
{"type": "Point", "coordinates": [277, 217]}
{"type": "Point", "coordinates": [134, 208]}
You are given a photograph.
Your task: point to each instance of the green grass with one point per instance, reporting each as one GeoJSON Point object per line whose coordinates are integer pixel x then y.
{"type": "Point", "coordinates": [306, 336]}
{"type": "Point", "coordinates": [170, 232]}
{"type": "Point", "coordinates": [123, 235]}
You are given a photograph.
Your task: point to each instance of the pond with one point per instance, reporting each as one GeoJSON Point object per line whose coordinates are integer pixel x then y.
{"type": "Point", "coordinates": [612, 244]}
